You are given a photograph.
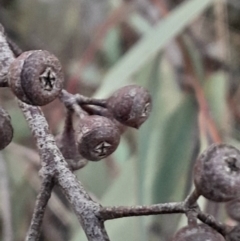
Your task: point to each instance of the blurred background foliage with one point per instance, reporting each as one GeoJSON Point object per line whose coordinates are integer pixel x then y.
{"type": "Point", "coordinates": [185, 52]}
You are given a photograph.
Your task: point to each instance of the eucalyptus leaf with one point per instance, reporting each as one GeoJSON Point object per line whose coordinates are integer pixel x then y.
{"type": "Point", "coordinates": [150, 45]}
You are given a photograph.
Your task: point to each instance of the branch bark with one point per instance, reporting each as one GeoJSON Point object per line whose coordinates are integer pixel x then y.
{"type": "Point", "coordinates": [108, 213]}
{"type": "Point", "coordinates": [53, 164]}
{"type": "Point", "coordinates": [41, 203]}
{"type": "Point", "coordinates": [52, 161]}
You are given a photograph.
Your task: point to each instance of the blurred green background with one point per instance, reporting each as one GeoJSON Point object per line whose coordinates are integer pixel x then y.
{"type": "Point", "coordinates": [186, 53]}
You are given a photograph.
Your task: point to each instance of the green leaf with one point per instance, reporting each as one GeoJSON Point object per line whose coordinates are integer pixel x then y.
{"type": "Point", "coordinates": [177, 141]}
{"type": "Point", "coordinates": [111, 46]}
{"type": "Point", "coordinates": [21, 129]}
{"type": "Point", "coordinates": [150, 45]}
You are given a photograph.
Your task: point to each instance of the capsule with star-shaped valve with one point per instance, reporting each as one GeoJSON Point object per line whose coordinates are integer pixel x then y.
{"type": "Point", "coordinates": [97, 137]}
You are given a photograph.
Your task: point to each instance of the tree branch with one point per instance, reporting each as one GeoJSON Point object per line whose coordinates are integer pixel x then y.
{"type": "Point", "coordinates": [86, 210]}
{"type": "Point", "coordinates": [108, 213]}
{"type": "Point", "coordinates": [52, 161]}
{"type": "Point", "coordinates": [6, 58]}
{"type": "Point", "coordinates": [41, 203]}
{"type": "Point", "coordinates": [212, 222]}
{"type": "Point", "coordinates": [192, 198]}
{"type": "Point", "coordinates": [114, 212]}
{"type": "Point", "coordinates": [70, 99]}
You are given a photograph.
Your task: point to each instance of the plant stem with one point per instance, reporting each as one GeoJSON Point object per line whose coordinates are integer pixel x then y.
{"type": "Point", "coordinates": [44, 195]}
{"type": "Point", "coordinates": [121, 211]}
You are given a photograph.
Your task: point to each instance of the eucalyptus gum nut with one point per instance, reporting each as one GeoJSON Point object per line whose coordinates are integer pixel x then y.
{"type": "Point", "coordinates": [97, 137]}
{"type": "Point", "coordinates": [36, 77]}
{"type": "Point", "coordinates": [199, 232]}
{"type": "Point", "coordinates": [6, 130]}
{"type": "Point", "coordinates": [130, 105]}
{"type": "Point", "coordinates": [217, 173]}
{"type": "Point", "coordinates": [233, 209]}
{"type": "Point", "coordinates": [14, 77]}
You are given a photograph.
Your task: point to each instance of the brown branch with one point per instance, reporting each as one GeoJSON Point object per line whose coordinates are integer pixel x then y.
{"type": "Point", "coordinates": [83, 105]}
{"type": "Point", "coordinates": [114, 212]}
{"type": "Point", "coordinates": [188, 206]}
{"type": "Point", "coordinates": [163, 208]}
{"type": "Point", "coordinates": [192, 198]}
{"type": "Point", "coordinates": [204, 111]}
{"type": "Point", "coordinates": [66, 143]}
{"type": "Point", "coordinates": [54, 164]}
{"type": "Point", "coordinates": [206, 122]}
{"type": "Point", "coordinates": [70, 100]}
{"type": "Point", "coordinates": [14, 47]}
{"type": "Point", "coordinates": [39, 209]}
{"type": "Point", "coordinates": [83, 100]}
{"type": "Point", "coordinates": [212, 222]}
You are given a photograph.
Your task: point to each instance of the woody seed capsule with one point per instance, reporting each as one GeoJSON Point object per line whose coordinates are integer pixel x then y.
{"type": "Point", "coordinates": [217, 173]}
{"type": "Point", "coordinates": [130, 105]}
{"type": "Point", "coordinates": [36, 77]}
{"type": "Point", "coordinates": [6, 130]}
{"type": "Point", "coordinates": [97, 137]}
{"type": "Point", "coordinates": [199, 232]}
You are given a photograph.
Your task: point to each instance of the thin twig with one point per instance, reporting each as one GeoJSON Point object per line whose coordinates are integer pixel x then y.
{"type": "Point", "coordinates": [192, 198]}
{"type": "Point", "coordinates": [83, 100]}
{"type": "Point", "coordinates": [70, 102]}
{"type": "Point", "coordinates": [7, 231]}
{"type": "Point", "coordinates": [14, 47]}
{"type": "Point", "coordinates": [39, 209]}
{"type": "Point", "coordinates": [83, 106]}
{"type": "Point", "coordinates": [206, 122]}
{"type": "Point", "coordinates": [211, 221]}
{"type": "Point", "coordinates": [66, 142]}
{"type": "Point", "coordinates": [114, 212]}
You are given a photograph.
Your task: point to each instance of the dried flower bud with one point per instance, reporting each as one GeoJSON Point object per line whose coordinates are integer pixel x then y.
{"type": "Point", "coordinates": [217, 173]}
{"type": "Point", "coordinates": [130, 105]}
{"type": "Point", "coordinates": [97, 138]}
{"type": "Point", "coordinates": [199, 232]}
{"type": "Point", "coordinates": [6, 129]}
{"type": "Point", "coordinates": [36, 77]}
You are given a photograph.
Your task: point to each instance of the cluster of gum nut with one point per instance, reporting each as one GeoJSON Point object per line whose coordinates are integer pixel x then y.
{"type": "Point", "coordinates": [36, 78]}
